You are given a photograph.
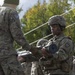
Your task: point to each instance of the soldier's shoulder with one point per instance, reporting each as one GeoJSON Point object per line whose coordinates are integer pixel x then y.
{"type": "Point", "coordinates": [2, 9]}
{"type": "Point", "coordinates": [7, 9]}
{"type": "Point", "coordinates": [11, 10]}
{"type": "Point", "coordinates": [67, 40]}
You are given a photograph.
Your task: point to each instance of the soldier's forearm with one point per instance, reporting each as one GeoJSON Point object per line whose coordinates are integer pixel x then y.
{"type": "Point", "coordinates": [29, 58]}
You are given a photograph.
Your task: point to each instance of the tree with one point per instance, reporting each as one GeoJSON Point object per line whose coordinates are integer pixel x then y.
{"type": "Point", "coordinates": [70, 18]}
{"type": "Point", "coordinates": [40, 14]}
{"type": "Point", "coordinates": [33, 18]}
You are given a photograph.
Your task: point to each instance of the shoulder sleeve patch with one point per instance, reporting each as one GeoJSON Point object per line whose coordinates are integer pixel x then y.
{"type": "Point", "coordinates": [14, 15]}
{"type": "Point", "coordinates": [67, 45]}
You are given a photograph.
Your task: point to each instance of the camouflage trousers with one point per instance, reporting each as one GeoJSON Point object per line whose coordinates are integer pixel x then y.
{"type": "Point", "coordinates": [27, 67]}
{"type": "Point", "coordinates": [36, 69]}
{"type": "Point", "coordinates": [11, 66]}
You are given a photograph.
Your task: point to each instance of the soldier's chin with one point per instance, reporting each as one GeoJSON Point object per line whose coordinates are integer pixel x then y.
{"type": "Point", "coordinates": [55, 33]}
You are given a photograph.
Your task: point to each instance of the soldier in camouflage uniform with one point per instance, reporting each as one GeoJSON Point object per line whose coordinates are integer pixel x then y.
{"type": "Point", "coordinates": [61, 61]}
{"type": "Point", "coordinates": [10, 31]}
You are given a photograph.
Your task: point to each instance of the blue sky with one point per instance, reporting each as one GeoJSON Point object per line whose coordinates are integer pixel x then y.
{"type": "Point", "coordinates": [25, 4]}
{"type": "Point", "coordinates": [1, 2]}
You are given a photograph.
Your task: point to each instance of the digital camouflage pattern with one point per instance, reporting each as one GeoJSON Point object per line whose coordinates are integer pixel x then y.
{"type": "Point", "coordinates": [62, 61]}
{"type": "Point", "coordinates": [57, 20]}
{"type": "Point", "coordinates": [10, 31]}
{"type": "Point", "coordinates": [27, 67]}
{"type": "Point", "coordinates": [11, 66]}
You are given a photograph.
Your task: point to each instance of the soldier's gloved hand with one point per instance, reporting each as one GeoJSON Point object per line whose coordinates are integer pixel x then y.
{"type": "Point", "coordinates": [34, 50]}
{"type": "Point", "coordinates": [21, 59]}
{"type": "Point", "coordinates": [45, 53]}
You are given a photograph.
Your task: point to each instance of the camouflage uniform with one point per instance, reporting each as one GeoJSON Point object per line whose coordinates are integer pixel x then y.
{"type": "Point", "coordinates": [61, 62]}
{"type": "Point", "coordinates": [27, 67]}
{"type": "Point", "coordinates": [10, 31]}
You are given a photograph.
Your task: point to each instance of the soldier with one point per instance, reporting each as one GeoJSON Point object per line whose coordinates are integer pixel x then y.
{"type": "Point", "coordinates": [59, 49]}
{"type": "Point", "coordinates": [10, 31]}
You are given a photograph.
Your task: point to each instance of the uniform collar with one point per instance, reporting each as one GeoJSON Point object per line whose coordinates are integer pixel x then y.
{"type": "Point", "coordinates": [60, 36]}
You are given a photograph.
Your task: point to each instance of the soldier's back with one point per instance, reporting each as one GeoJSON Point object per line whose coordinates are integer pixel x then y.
{"type": "Point", "coordinates": [6, 40]}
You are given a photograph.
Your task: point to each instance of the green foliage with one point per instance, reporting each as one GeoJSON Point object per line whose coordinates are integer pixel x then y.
{"type": "Point", "coordinates": [40, 14]}
{"type": "Point", "coordinates": [58, 6]}
{"type": "Point", "coordinates": [33, 18]}
{"type": "Point", "coordinates": [70, 19]}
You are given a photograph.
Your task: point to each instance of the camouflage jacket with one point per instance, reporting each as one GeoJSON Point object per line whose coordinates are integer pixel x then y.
{"type": "Point", "coordinates": [10, 31]}
{"type": "Point", "coordinates": [63, 58]}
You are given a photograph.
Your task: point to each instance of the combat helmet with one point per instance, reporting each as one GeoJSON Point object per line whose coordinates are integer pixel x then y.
{"type": "Point", "coordinates": [57, 20]}
{"type": "Point", "coordinates": [15, 2]}
{"type": "Point", "coordinates": [41, 43]}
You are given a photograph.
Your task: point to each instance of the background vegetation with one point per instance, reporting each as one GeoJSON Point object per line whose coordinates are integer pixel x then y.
{"type": "Point", "coordinates": [41, 12]}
